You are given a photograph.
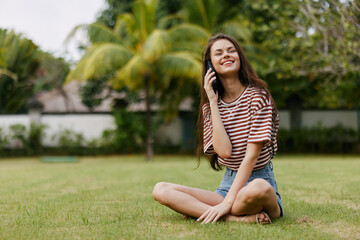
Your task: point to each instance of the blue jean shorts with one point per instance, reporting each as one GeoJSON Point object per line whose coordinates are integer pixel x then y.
{"type": "Point", "coordinates": [265, 173]}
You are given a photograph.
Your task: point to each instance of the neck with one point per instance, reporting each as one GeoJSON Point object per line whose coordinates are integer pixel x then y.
{"type": "Point", "coordinates": [232, 88]}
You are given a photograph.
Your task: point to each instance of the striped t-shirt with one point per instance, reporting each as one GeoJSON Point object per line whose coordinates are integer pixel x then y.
{"type": "Point", "coordinates": [247, 119]}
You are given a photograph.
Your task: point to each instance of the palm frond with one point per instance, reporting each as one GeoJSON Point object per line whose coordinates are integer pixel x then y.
{"type": "Point", "coordinates": [202, 11]}
{"type": "Point", "coordinates": [213, 8]}
{"type": "Point", "coordinates": [156, 45]}
{"type": "Point", "coordinates": [169, 20]}
{"type": "Point", "coordinates": [124, 24]}
{"type": "Point", "coordinates": [132, 74]}
{"type": "Point", "coordinates": [125, 28]}
{"type": "Point", "coordinates": [189, 32]}
{"type": "Point", "coordinates": [9, 74]}
{"type": "Point", "coordinates": [99, 60]}
{"type": "Point", "coordinates": [179, 65]}
{"type": "Point", "coordinates": [18, 54]}
{"type": "Point", "coordinates": [96, 32]}
{"type": "Point", "coordinates": [237, 30]}
{"type": "Point", "coordinates": [144, 18]}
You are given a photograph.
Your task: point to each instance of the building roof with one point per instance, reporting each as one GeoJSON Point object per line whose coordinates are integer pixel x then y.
{"type": "Point", "coordinates": [69, 101]}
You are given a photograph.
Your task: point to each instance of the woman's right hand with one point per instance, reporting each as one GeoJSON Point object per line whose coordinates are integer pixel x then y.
{"type": "Point", "coordinates": [208, 80]}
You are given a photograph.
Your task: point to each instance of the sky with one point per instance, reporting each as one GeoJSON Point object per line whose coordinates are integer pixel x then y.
{"type": "Point", "coordinates": [48, 22]}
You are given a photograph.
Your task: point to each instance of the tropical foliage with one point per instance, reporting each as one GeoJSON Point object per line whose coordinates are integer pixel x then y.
{"type": "Point", "coordinates": [142, 54]}
{"type": "Point", "coordinates": [51, 72]}
{"type": "Point", "coordinates": [313, 49]}
{"type": "Point", "coordinates": [18, 65]}
{"type": "Point", "coordinates": [25, 71]}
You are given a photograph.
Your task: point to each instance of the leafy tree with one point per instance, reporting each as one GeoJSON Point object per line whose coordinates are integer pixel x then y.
{"type": "Point", "coordinates": [93, 91]}
{"type": "Point", "coordinates": [52, 72]}
{"type": "Point", "coordinates": [312, 49]}
{"type": "Point", "coordinates": [18, 65]}
{"type": "Point", "coordinates": [227, 16]}
{"type": "Point", "coordinates": [113, 9]}
{"type": "Point", "coordinates": [25, 71]}
{"type": "Point", "coordinates": [142, 55]}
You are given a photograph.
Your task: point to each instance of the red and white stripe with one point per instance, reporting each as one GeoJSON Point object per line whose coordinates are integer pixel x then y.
{"type": "Point", "coordinates": [247, 119]}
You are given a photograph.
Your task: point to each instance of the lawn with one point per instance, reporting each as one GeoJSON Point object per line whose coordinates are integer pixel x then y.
{"type": "Point", "coordinates": [110, 198]}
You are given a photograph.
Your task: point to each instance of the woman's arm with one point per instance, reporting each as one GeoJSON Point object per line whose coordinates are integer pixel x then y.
{"type": "Point", "coordinates": [221, 141]}
{"type": "Point", "coordinates": [247, 165]}
{"type": "Point", "coordinates": [214, 213]}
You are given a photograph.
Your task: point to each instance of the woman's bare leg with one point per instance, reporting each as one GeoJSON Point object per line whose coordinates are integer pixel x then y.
{"type": "Point", "coordinates": [257, 196]}
{"type": "Point", "coordinates": [186, 200]}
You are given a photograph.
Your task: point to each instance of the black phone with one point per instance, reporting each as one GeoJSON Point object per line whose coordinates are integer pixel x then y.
{"type": "Point", "coordinates": [215, 82]}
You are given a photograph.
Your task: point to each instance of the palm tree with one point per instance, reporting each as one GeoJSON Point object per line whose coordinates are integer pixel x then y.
{"type": "Point", "coordinates": [217, 16]}
{"type": "Point", "coordinates": [18, 65]}
{"type": "Point", "coordinates": [226, 16]}
{"type": "Point", "coordinates": [142, 55]}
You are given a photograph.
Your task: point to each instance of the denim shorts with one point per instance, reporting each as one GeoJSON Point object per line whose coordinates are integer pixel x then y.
{"type": "Point", "coordinates": [265, 173]}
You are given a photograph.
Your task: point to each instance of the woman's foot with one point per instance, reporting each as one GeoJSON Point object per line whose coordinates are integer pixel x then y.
{"type": "Point", "coordinates": [261, 218]}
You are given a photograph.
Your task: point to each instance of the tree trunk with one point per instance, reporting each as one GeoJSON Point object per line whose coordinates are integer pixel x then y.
{"type": "Point", "coordinates": [149, 140]}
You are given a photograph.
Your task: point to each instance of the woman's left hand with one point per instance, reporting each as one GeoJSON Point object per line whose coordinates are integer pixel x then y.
{"type": "Point", "coordinates": [215, 213]}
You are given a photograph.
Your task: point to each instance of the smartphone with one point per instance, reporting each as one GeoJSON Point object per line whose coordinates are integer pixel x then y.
{"type": "Point", "coordinates": [215, 82]}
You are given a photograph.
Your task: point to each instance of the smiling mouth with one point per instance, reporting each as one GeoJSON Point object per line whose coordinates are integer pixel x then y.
{"type": "Point", "coordinates": [227, 62]}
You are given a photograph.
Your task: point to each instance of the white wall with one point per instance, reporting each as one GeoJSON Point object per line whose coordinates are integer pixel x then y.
{"type": "Point", "coordinates": [92, 125]}
{"type": "Point", "coordinates": [7, 120]}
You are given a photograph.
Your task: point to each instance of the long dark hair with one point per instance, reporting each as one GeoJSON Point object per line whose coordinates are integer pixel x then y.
{"type": "Point", "coordinates": [247, 77]}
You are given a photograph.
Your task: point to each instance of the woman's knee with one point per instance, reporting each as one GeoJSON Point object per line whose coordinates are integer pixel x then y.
{"type": "Point", "coordinates": [257, 190]}
{"type": "Point", "coordinates": [159, 192]}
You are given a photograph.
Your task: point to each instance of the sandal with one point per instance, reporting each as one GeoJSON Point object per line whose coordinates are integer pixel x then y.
{"type": "Point", "coordinates": [242, 220]}
{"type": "Point", "coordinates": [258, 221]}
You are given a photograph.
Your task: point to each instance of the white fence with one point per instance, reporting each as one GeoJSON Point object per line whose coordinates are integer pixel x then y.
{"type": "Point", "coordinates": [91, 126]}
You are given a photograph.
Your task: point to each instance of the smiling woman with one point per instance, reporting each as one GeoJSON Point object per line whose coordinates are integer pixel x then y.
{"type": "Point", "coordinates": [239, 132]}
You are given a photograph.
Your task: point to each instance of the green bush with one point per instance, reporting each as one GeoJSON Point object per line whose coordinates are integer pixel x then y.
{"type": "Point", "coordinates": [319, 139]}
{"type": "Point", "coordinates": [129, 134]}
{"type": "Point", "coordinates": [69, 142]}
{"type": "Point", "coordinates": [27, 139]}
{"type": "Point", "coordinates": [4, 139]}
{"type": "Point", "coordinates": [18, 134]}
{"type": "Point", "coordinates": [35, 136]}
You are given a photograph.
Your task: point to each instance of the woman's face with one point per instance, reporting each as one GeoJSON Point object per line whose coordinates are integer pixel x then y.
{"type": "Point", "coordinates": [224, 57]}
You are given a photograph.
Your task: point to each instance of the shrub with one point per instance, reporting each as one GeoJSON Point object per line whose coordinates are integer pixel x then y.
{"type": "Point", "coordinates": [69, 141]}
{"type": "Point", "coordinates": [35, 136]}
{"type": "Point", "coordinates": [4, 139]}
{"type": "Point", "coordinates": [318, 139]}
{"type": "Point", "coordinates": [129, 134]}
{"type": "Point", "coordinates": [18, 134]}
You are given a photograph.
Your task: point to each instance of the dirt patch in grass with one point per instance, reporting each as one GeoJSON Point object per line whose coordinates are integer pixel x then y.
{"type": "Point", "coordinates": [339, 229]}
{"type": "Point", "coordinates": [344, 231]}
{"type": "Point", "coordinates": [69, 189]}
{"type": "Point", "coordinates": [304, 219]}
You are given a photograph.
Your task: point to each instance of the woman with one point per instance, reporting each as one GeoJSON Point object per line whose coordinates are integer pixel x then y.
{"type": "Point", "coordinates": [239, 132]}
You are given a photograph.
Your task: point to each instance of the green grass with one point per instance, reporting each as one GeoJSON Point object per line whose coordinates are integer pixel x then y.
{"type": "Point", "coordinates": [110, 198]}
